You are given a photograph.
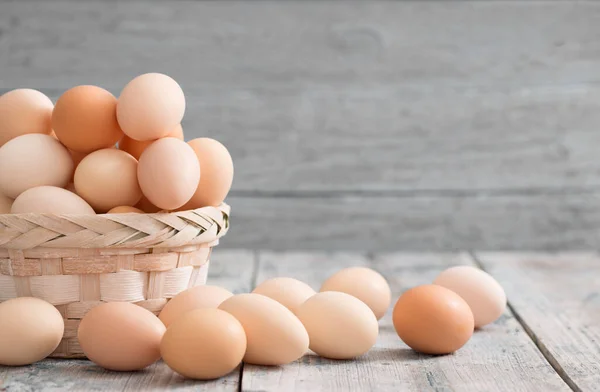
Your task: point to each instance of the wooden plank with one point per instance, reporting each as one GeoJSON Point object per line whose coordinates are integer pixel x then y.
{"type": "Point", "coordinates": [230, 269]}
{"type": "Point", "coordinates": [300, 43]}
{"type": "Point", "coordinates": [416, 224]}
{"type": "Point", "coordinates": [501, 357]}
{"type": "Point", "coordinates": [556, 297]}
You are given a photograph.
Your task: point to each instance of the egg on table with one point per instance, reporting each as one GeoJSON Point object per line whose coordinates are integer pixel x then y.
{"type": "Point", "coordinates": [340, 326]}
{"type": "Point", "coordinates": [24, 111]}
{"type": "Point", "coordinates": [363, 283]}
{"type": "Point", "coordinates": [289, 292]}
{"type": "Point", "coordinates": [275, 335]}
{"type": "Point", "coordinates": [480, 290]}
{"type": "Point", "coordinates": [198, 297]}
{"type": "Point", "coordinates": [33, 160]}
{"type": "Point", "coordinates": [121, 336]}
{"type": "Point", "coordinates": [204, 344]}
{"type": "Point", "coordinates": [30, 330]}
{"type": "Point", "coordinates": [433, 320]}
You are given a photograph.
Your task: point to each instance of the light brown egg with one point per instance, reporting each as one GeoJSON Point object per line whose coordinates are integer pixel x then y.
{"type": "Point", "coordinates": [85, 119]}
{"type": "Point", "coordinates": [50, 200]}
{"type": "Point", "coordinates": [339, 325]}
{"type": "Point", "coordinates": [121, 336]}
{"type": "Point", "coordinates": [145, 205]}
{"type": "Point", "coordinates": [107, 179]}
{"type": "Point", "coordinates": [5, 204]}
{"type": "Point", "coordinates": [33, 160]}
{"type": "Point", "coordinates": [136, 147]}
{"type": "Point", "coordinates": [199, 297]}
{"type": "Point", "coordinates": [365, 284]}
{"type": "Point", "coordinates": [125, 210]}
{"type": "Point", "coordinates": [433, 320]}
{"type": "Point", "coordinates": [275, 336]}
{"type": "Point", "coordinates": [150, 106]}
{"type": "Point", "coordinates": [480, 290]}
{"type": "Point", "coordinates": [30, 330]}
{"type": "Point", "coordinates": [217, 173]}
{"type": "Point", "coordinates": [24, 111]}
{"type": "Point", "coordinates": [204, 344]}
{"type": "Point", "coordinates": [289, 292]}
{"type": "Point", "coordinates": [168, 173]}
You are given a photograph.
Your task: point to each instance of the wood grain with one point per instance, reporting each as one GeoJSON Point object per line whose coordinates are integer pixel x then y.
{"type": "Point", "coordinates": [424, 224]}
{"type": "Point", "coordinates": [500, 357]}
{"type": "Point", "coordinates": [557, 297]}
{"type": "Point", "coordinates": [230, 269]}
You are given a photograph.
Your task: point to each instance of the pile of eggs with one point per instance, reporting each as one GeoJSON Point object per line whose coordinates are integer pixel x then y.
{"type": "Point", "coordinates": [205, 332]}
{"type": "Point", "coordinates": [94, 153]}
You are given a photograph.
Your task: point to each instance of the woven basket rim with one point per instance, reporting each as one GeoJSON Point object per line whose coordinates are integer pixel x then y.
{"type": "Point", "coordinates": [123, 230]}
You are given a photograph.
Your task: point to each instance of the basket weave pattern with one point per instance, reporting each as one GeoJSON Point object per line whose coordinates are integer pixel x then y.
{"type": "Point", "coordinates": [78, 262]}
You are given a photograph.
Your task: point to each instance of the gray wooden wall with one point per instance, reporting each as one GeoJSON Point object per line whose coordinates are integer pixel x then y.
{"type": "Point", "coordinates": [373, 125]}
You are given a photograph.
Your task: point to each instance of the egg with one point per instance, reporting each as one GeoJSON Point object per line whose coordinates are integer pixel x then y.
{"type": "Point", "coordinates": [125, 210]}
{"type": "Point", "coordinates": [107, 179]}
{"type": "Point", "coordinates": [50, 200]}
{"type": "Point", "coordinates": [24, 111]}
{"type": "Point", "coordinates": [365, 284]}
{"type": "Point", "coordinates": [145, 205]}
{"type": "Point", "coordinates": [289, 292]}
{"type": "Point", "coordinates": [433, 320]}
{"type": "Point", "coordinates": [30, 330]}
{"type": "Point", "coordinates": [136, 147]}
{"type": "Point", "coordinates": [340, 326]}
{"type": "Point", "coordinates": [198, 297]}
{"type": "Point", "coordinates": [217, 173]}
{"type": "Point", "coordinates": [480, 290]}
{"type": "Point", "coordinates": [33, 160]}
{"type": "Point", "coordinates": [275, 336]}
{"type": "Point", "coordinates": [204, 344]}
{"type": "Point", "coordinates": [150, 106]}
{"type": "Point", "coordinates": [121, 336]}
{"type": "Point", "coordinates": [85, 120]}
{"type": "Point", "coordinates": [5, 204]}
{"type": "Point", "coordinates": [168, 173]}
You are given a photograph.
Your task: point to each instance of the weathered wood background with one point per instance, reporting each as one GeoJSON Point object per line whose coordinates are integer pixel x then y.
{"type": "Point", "coordinates": [375, 125]}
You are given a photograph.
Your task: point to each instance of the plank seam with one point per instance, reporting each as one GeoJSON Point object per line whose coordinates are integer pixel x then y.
{"type": "Point", "coordinates": [253, 279]}
{"type": "Point", "coordinates": [538, 342]}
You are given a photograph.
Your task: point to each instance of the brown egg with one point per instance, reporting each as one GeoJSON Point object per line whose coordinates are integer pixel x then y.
{"type": "Point", "coordinates": [145, 205]}
{"type": "Point", "coordinates": [24, 111]}
{"type": "Point", "coordinates": [275, 336]}
{"type": "Point", "coordinates": [365, 284]}
{"type": "Point", "coordinates": [30, 330]}
{"type": "Point", "coordinates": [121, 336]}
{"type": "Point", "coordinates": [340, 326]}
{"type": "Point", "coordinates": [107, 179]}
{"type": "Point", "coordinates": [433, 320]}
{"type": "Point", "coordinates": [33, 160]}
{"type": "Point", "coordinates": [289, 292]}
{"type": "Point", "coordinates": [217, 173]}
{"type": "Point", "coordinates": [85, 120]}
{"type": "Point", "coordinates": [168, 173]}
{"type": "Point", "coordinates": [204, 344]}
{"type": "Point", "coordinates": [125, 210]}
{"type": "Point", "coordinates": [50, 200]}
{"type": "Point", "coordinates": [150, 106]}
{"type": "Point", "coordinates": [136, 147]}
{"type": "Point", "coordinates": [5, 204]}
{"type": "Point", "coordinates": [199, 297]}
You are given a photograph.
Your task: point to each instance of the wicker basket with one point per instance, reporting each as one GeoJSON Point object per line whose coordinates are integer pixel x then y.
{"type": "Point", "coordinates": [78, 262]}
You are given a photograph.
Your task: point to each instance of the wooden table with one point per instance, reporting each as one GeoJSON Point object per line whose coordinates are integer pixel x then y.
{"type": "Point", "coordinates": [547, 340]}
